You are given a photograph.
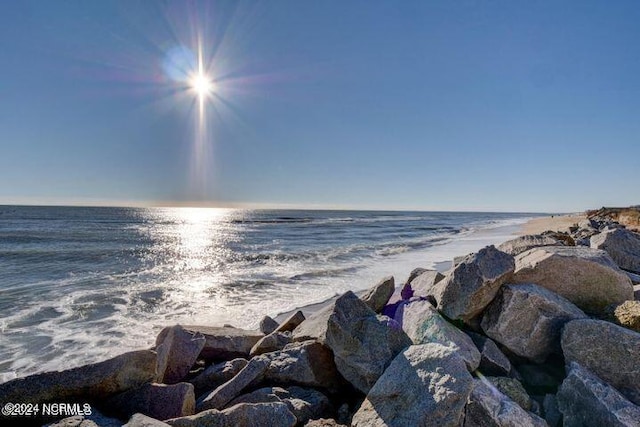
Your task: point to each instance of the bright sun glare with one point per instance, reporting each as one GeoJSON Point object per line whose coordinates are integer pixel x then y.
{"type": "Point", "coordinates": [201, 84]}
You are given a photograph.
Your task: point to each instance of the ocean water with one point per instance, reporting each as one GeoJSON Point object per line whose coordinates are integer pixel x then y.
{"type": "Point", "coordinates": [79, 285]}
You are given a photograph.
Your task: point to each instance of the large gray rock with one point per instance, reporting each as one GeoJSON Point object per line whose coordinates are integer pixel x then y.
{"type": "Point", "coordinates": [471, 285]}
{"type": "Point", "coordinates": [585, 400]}
{"type": "Point", "coordinates": [423, 324]}
{"type": "Point", "coordinates": [141, 420]}
{"type": "Point", "coordinates": [222, 395]}
{"type": "Point", "coordinates": [261, 395]}
{"type": "Point", "coordinates": [524, 243]}
{"type": "Point", "coordinates": [622, 245]}
{"type": "Point", "coordinates": [324, 422]}
{"type": "Point", "coordinates": [423, 284]}
{"type": "Point", "coordinates": [308, 404]}
{"type": "Point", "coordinates": [96, 419]}
{"type": "Point", "coordinates": [274, 414]}
{"type": "Point", "coordinates": [217, 374]}
{"type": "Point", "coordinates": [492, 360]}
{"type": "Point", "coordinates": [308, 364]}
{"type": "Point", "coordinates": [488, 407]}
{"type": "Point", "coordinates": [291, 322]}
{"type": "Point", "coordinates": [159, 401]}
{"type": "Point", "coordinates": [528, 319]}
{"type": "Point", "coordinates": [304, 403]}
{"type": "Point", "coordinates": [425, 385]}
{"type": "Point", "coordinates": [273, 342]}
{"type": "Point", "coordinates": [587, 277]}
{"type": "Point", "coordinates": [513, 389]}
{"type": "Point", "coordinates": [378, 296]}
{"type": "Point", "coordinates": [363, 345]}
{"type": "Point", "coordinates": [94, 381]}
{"type": "Point", "coordinates": [314, 327]}
{"type": "Point", "coordinates": [178, 349]}
{"type": "Point", "coordinates": [415, 273]}
{"type": "Point", "coordinates": [268, 325]}
{"type": "Point", "coordinates": [225, 343]}
{"type": "Point", "coordinates": [609, 351]}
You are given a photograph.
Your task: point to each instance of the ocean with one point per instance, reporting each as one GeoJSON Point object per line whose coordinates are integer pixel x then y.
{"type": "Point", "coordinates": [81, 284]}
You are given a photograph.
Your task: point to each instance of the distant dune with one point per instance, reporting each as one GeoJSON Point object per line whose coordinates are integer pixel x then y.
{"type": "Point", "coordinates": [629, 217]}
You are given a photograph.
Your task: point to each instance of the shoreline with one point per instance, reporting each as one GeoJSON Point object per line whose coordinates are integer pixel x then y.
{"type": "Point", "coordinates": [534, 225]}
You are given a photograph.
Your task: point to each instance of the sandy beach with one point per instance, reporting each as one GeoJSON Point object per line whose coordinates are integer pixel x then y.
{"type": "Point", "coordinates": [553, 223]}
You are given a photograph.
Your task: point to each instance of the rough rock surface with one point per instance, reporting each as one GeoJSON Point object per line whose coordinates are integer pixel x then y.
{"type": "Point", "coordinates": [471, 285]}
{"type": "Point", "coordinates": [587, 277]}
{"type": "Point", "coordinates": [261, 395]}
{"type": "Point", "coordinates": [626, 314]}
{"type": "Point", "coordinates": [222, 395]}
{"type": "Point", "coordinates": [415, 273]}
{"type": "Point", "coordinates": [275, 414]}
{"type": "Point", "coordinates": [291, 322]}
{"type": "Point", "coordinates": [96, 419]}
{"type": "Point", "coordinates": [528, 320]}
{"type": "Point", "coordinates": [225, 343]}
{"type": "Point", "coordinates": [433, 391]}
{"type": "Point", "coordinates": [216, 375]}
{"type": "Point", "coordinates": [304, 403]}
{"type": "Point", "coordinates": [268, 325]}
{"type": "Point", "coordinates": [492, 360]}
{"type": "Point", "coordinates": [363, 345]}
{"type": "Point", "coordinates": [324, 422]}
{"type": "Point", "coordinates": [423, 324]}
{"type": "Point", "coordinates": [585, 400]}
{"type": "Point", "coordinates": [488, 407]}
{"type": "Point", "coordinates": [422, 285]}
{"type": "Point", "coordinates": [177, 349]}
{"type": "Point", "coordinates": [314, 327]}
{"type": "Point", "coordinates": [512, 388]}
{"type": "Point", "coordinates": [622, 245]}
{"type": "Point", "coordinates": [524, 243]}
{"type": "Point", "coordinates": [607, 350]}
{"type": "Point", "coordinates": [378, 296]}
{"type": "Point", "coordinates": [308, 364]}
{"type": "Point", "coordinates": [159, 401]}
{"type": "Point", "coordinates": [307, 404]}
{"type": "Point", "coordinates": [273, 342]}
{"type": "Point", "coordinates": [552, 414]}
{"type": "Point", "coordinates": [94, 381]}
{"type": "Point", "coordinates": [141, 420]}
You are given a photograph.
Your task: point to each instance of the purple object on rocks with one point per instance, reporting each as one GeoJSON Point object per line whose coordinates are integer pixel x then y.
{"type": "Point", "coordinates": [390, 310]}
{"type": "Point", "coordinates": [407, 291]}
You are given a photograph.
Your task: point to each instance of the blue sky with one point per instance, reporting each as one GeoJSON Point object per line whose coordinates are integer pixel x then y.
{"type": "Point", "coordinates": [466, 105]}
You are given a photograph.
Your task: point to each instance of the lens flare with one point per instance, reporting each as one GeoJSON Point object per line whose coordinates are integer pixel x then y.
{"type": "Point", "coordinates": [201, 84]}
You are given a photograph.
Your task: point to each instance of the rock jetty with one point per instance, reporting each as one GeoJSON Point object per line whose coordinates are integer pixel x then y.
{"type": "Point", "coordinates": [541, 331]}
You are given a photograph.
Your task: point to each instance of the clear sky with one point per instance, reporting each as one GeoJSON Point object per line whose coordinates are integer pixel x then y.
{"type": "Point", "coordinates": [455, 105]}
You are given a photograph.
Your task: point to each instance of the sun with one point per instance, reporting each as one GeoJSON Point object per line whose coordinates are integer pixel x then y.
{"type": "Point", "coordinates": [201, 84]}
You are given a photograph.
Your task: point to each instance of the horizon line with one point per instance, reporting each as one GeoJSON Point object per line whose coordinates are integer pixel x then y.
{"type": "Point", "coordinates": [255, 206]}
